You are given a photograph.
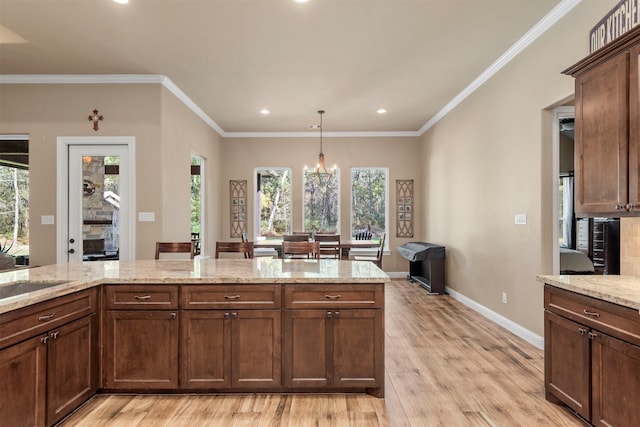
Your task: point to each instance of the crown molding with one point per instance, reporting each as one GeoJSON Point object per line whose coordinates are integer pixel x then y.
{"type": "Point", "coordinates": [81, 78]}
{"type": "Point", "coordinates": [530, 36]}
{"type": "Point", "coordinates": [324, 134]}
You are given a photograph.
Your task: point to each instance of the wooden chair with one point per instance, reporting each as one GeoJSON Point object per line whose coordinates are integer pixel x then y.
{"type": "Point", "coordinates": [377, 260]}
{"type": "Point", "coordinates": [175, 247]}
{"type": "Point", "coordinates": [296, 237]}
{"type": "Point", "coordinates": [238, 247]}
{"type": "Point", "coordinates": [329, 244]}
{"type": "Point", "coordinates": [301, 249]}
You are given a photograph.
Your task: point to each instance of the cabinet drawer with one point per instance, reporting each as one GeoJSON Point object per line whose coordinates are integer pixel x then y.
{"type": "Point", "coordinates": [616, 320]}
{"type": "Point", "coordinates": [333, 296]}
{"type": "Point", "coordinates": [230, 296]}
{"type": "Point", "coordinates": [27, 322]}
{"type": "Point", "coordinates": [141, 297]}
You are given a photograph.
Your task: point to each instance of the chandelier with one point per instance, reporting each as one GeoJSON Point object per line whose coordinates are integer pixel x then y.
{"type": "Point", "coordinates": [321, 167]}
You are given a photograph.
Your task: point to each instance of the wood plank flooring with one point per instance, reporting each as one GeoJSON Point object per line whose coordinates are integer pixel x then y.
{"type": "Point", "coordinates": [446, 365]}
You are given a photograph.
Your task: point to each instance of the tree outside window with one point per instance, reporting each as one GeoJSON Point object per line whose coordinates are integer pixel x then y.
{"type": "Point", "coordinates": [369, 200]}
{"type": "Point", "coordinates": [14, 206]}
{"type": "Point", "coordinates": [321, 200]}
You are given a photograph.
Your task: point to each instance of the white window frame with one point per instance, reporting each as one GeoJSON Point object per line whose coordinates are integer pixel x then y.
{"type": "Point", "coordinates": [304, 181]}
{"type": "Point", "coordinates": [256, 200]}
{"type": "Point", "coordinates": [386, 207]}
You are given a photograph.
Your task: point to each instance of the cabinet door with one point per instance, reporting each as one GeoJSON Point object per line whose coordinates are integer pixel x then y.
{"type": "Point", "coordinates": [22, 383]}
{"type": "Point", "coordinates": [601, 139]}
{"type": "Point", "coordinates": [634, 131]}
{"type": "Point", "coordinates": [72, 367]}
{"type": "Point", "coordinates": [256, 348]}
{"type": "Point", "coordinates": [141, 350]}
{"type": "Point", "coordinates": [616, 382]}
{"type": "Point", "coordinates": [567, 363]}
{"type": "Point", "coordinates": [308, 348]}
{"type": "Point", "coordinates": [358, 348]}
{"type": "Point", "coordinates": [205, 349]}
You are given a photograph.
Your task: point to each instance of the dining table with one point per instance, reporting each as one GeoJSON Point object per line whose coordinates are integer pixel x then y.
{"type": "Point", "coordinates": [345, 245]}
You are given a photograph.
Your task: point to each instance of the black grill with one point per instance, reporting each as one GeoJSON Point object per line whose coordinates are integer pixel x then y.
{"type": "Point", "coordinates": [426, 264]}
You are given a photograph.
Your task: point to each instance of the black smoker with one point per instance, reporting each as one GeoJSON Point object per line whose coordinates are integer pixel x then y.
{"type": "Point", "coordinates": [426, 264]}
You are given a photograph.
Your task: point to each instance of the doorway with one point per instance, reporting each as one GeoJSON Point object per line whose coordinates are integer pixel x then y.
{"type": "Point", "coordinates": [95, 199]}
{"type": "Point", "coordinates": [562, 168]}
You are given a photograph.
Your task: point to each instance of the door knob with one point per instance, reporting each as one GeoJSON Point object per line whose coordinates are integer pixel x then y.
{"type": "Point", "coordinates": [72, 240]}
{"type": "Point", "coordinates": [72, 251]}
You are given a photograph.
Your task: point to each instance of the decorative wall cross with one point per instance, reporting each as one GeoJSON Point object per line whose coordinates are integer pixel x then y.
{"type": "Point", "coordinates": [95, 118]}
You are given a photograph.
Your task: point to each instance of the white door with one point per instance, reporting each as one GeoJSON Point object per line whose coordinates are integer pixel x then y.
{"type": "Point", "coordinates": [97, 224]}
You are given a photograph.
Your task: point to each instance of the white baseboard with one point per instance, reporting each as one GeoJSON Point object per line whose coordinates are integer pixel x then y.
{"type": "Point", "coordinates": [509, 325]}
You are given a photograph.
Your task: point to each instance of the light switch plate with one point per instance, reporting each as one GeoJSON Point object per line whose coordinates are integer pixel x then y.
{"type": "Point", "coordinates": [521, 219]}
{"type": "Point", "coordinates": [47, 219]}
{"type": "Point", "coordinates": [146, 216]}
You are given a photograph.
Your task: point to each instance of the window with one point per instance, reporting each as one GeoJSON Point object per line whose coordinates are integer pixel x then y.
{"type": "Point", "coordinates": [14, 197]}
{"type": "Point", "coordinates": [273, 202]}
{"type": "Point", "coordinates": [321, 201]}
{"type": "Point", "coordinates": [566, 215]}
{"type": "Point", "coordinates": [369, 195]}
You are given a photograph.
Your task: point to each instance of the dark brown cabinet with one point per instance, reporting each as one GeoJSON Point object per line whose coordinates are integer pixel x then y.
{"type": "Point", "coordinates": [141, 337]}
{"type": "Point", "coordinates": [606, 132]}
{"type": "Point", "coordinates": [45, 377]}
{"type": "Point", "coordinates": [592, 358]}
{"type": "Point", "coordinates": [237, 349]}
{"type": "Point", "coordinates": [333, 337]}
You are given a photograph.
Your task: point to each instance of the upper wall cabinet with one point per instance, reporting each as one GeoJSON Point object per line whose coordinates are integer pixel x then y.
{"type": "Point", "coordinates": [607, 105]}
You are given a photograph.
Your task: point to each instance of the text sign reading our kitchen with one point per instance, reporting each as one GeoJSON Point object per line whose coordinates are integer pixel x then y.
{"type": "Point", "coordinates": [621, 19]}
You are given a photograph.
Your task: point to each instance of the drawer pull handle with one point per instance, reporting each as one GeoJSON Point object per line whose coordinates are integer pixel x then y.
{"type": "Point", "coordinates": [47, 317]}
{"type": "Point", "coordinates": [232, 297]}
{"type": "Point", "coordinates": [333, 296]}
{"type": "Point", "coordinates": [591, 313]}
{"type": "Point", "coordinates": [136, 297]}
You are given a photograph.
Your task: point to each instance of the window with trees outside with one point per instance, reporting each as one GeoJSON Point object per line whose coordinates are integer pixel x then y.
{"type": "Point", "coordinates": [14, 199]}
{"type": "Point", "coordinates": [273, 202]}
{"type": "Point", "coordinates": [369, 195]}
{"type": "Point", "coordinates": [321, 200]}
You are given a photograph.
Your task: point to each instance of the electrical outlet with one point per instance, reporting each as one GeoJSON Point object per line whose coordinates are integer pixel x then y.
{"type": "Point", "coordinates": [521, 219]}
{"type": "Point", "coordinates": [504, 297]}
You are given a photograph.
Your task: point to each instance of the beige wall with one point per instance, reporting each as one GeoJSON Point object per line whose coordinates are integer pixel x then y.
{"type": "Point", "coordinates": [400, 155]}
{"type": "Point", "coordinates": [490, 159]}
{"type": "Point", "coordinates": [45, 112]}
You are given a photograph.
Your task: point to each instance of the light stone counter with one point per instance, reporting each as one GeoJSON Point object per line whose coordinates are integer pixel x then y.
{"type": "Point", "coordinates": [61, 279]}
{"type": "Point", "coordinates": [621, 290]}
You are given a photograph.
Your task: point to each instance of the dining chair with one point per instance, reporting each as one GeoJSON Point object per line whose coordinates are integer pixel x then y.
{"type": "Point", "coordinates": [246, 248]}
{"type": "Point", "coordinates": [297, 236]}
{"type": "Point", "coordinates": [175, 247]}
{"type": "Point", "coordinates": [377, 260]}
{"type": "Point", "coordinates": [329, 244]}
{"type": "Point", "coordinates": [300, 249]}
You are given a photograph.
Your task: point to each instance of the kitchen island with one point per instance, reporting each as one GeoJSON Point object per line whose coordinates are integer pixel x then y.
{"type": "Point", "coordinates": [592, 346]}
{"type": "Point", "coordinates": [228, 325]}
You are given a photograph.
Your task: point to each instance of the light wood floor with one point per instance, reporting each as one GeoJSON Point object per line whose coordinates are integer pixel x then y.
{"type": "Point", "coordinates": [445, 366]}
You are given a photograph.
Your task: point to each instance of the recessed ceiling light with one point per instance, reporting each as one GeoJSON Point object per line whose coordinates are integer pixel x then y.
{"type": "Point", "coordinates": [265, 111]}
{"type": "Point", "coordinates": [381, 111]}
{"type": "Point", "coordinates": [301, 1]}
{"type": "Point", "coordinates": [121, 1]}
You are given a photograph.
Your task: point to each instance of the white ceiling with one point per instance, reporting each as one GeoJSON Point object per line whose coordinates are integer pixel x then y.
{"type": "Point", "coordinates": [235, 57]}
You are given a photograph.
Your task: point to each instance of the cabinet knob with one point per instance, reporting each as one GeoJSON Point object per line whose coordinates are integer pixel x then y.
{"type": "Point", "coordinates": [582, 331]}
{"type": "Point", "coordinates": [44, 340]}
{"type": "Point", "coordinates": [329, 314]}
{"type": "Point", "coordinates": [234, 315]}
{"type": "Point", "coordinates": [630, 206]}
{"type": "Point", "coordinates": [336, 314]}
{"type": "Point", "coordinates": [173, 316]}
{"type": "Point", "coordinates": [54, 335]}
{"type": "Point", "coordinates": [226, 315]}
{"type": "Point", "coordinates": [618, 207]}
{"type": "Point", "coordinates": [592, 335]}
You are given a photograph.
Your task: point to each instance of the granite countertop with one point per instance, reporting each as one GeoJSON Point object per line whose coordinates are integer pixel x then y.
{"type": "Point", "coordinates": [21, 288]}
{"type": "Point", "coordinates": [621, 290]}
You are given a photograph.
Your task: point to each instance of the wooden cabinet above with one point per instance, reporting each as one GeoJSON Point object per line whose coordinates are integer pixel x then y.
{"type": "Point", "coordinates": [607, 182]}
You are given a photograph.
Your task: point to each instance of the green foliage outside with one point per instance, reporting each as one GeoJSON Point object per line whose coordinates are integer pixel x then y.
{"type": "Point", "coordinates": [196, 181]}
{"type": "Point", "coordinates": [14, 210]}
{"type": "Point", "coordinates": [321, 201]}
{"type": "Point", "coordinates": [275, 202]}
{"type": "Point", "coordinates": [368, 192]}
